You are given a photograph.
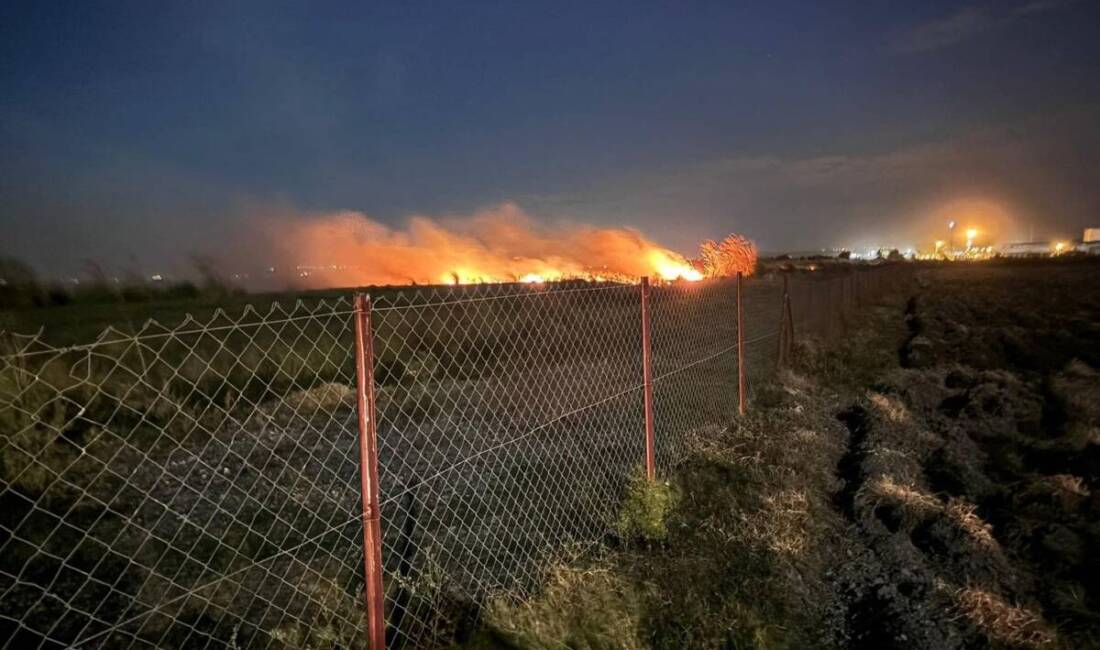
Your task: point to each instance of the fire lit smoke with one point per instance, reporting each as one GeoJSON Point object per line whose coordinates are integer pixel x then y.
{"type": "Point", "coordinates": [499, 245]}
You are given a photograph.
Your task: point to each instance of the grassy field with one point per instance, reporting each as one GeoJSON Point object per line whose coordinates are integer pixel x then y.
{"type": "Point", "coordinates": [198, 482]}
{"type": "Point", "coordinates": [928, 481]}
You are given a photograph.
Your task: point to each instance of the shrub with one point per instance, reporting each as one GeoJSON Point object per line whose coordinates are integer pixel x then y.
{"type": "Point", "coordinates": [645, 509]}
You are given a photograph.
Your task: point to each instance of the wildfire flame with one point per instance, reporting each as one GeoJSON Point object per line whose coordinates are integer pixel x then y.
{"type": "Point", "coordinates": [502, 244]}
{"type": "Point", "coordinates": [670, 266]}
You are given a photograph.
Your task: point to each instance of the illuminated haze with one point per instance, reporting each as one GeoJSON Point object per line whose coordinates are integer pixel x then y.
{"type": "Point", "coordinates": [139, 134]}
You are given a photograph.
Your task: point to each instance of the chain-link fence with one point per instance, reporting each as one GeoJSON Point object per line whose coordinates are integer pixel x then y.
{"type": "Point", "coordinates": [203, 485]}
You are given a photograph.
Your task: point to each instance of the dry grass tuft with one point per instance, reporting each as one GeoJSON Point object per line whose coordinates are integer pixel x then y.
{"type": "Point", "coordinates": [785, 522]}
{"type": "Point", "coordinates": [1066, 492]}
{"type": "Point", "coordinates": [1006, 625]}
{"type": "Point", "coordinates": [904, 503]}
{"type": "Point", "coordinates": [890, 407]}
{"type": "Point", "coordinates": [963, 515]}
{"type": "Point", "coordinates": [328, 396]}
{"type": "Point", "coordinates": [592, 607]}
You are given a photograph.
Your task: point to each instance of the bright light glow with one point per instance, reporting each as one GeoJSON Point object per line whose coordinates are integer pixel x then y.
{"type": "Point", "coordinates": [971, 233]}
{"type": "Point", "coordinates": [1059, 247]}
{"type": "Point", "coordinates": [669, 268]}
{"type": "Point", "coordinates": [533, 278]}
{"type": "Point", "coordinates": [939, 244]}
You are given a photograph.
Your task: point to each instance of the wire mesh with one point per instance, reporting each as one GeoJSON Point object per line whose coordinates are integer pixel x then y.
{"type": "Point", "coordinates": [199, 485]}
{"type": "Point", "coordinates": [506, 424]}
{"type": "Point", "coordinates": [182, 487]}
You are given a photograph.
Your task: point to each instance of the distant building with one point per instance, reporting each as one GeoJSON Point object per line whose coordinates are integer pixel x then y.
{"type": "Point", "coordinates": [1089, 247]}
{"type": "Point", "coordinates": [1092, 236]}
{"type": "Point", "coordinates": [1027, 249]}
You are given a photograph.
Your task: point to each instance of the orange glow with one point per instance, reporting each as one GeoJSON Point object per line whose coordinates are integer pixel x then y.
{"type": "Point", "coordinates": [502, 244]}
{"type": "Point", "coordinates": [670, 266]}
{"type": "Point", "coordinates": [982, 220]}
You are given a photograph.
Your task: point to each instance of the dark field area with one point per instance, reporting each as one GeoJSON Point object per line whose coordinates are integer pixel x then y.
{"type": "Point", "coordinates": [1002, 370]}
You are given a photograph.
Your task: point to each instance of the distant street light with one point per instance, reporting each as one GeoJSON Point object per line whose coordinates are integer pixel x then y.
{"type": "Point", "coordinates": [970, 235]}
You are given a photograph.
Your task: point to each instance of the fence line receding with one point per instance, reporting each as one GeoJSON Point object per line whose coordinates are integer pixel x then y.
{"type": "Point", "coordinates": [211, 484]}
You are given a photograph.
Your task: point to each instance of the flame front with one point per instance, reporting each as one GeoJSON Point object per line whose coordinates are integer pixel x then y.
{"type": "Point", "coordinates": [670, 266]}
{"type": "Point", "coordinates": [498, 245]}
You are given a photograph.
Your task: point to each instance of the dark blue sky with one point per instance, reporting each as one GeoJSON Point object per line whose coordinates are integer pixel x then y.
{"type": "Point", "coordinates": [150, 130]}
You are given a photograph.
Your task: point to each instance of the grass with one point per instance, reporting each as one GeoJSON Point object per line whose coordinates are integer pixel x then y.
{"type": "Point", "coordinates": [728, 551]}
{"type": "Point", "coordinates": [966, 556]}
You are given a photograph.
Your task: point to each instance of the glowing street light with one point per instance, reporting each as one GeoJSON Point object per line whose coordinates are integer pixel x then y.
{"type": "Point", "coordinates": [970, 235]}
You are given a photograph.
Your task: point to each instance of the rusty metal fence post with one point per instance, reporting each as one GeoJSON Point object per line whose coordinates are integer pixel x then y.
{"type": "Point", "coordinates": [647, 381]}
{"type": "Point", "coordinates": [368, 472]}
{"type": "Point", "coordinates": [740, 346]}
{"type": "Point", "coordinates": [790, 320]}
{"type": "Point", "coordinates": [786, 325]}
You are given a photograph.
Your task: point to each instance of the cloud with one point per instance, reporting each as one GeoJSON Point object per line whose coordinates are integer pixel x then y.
{"type": "Point", "coordinates": [1033, 169]}
{"type": "Point", "coordinates": [966, 23]}
{"type": "Point", "coordinates": [943, 32]}
{"type": "Point", "coordinates": [1040, 6]}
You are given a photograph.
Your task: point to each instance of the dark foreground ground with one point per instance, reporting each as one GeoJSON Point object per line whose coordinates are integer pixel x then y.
{"type": "Point", "coordinates": [930, 481]}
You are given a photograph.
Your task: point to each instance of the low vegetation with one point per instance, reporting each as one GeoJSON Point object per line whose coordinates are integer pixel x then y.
{"type": "Point", "coordinates": [927, 482]}
{"type": "Point", "coordinates": [929, 479]}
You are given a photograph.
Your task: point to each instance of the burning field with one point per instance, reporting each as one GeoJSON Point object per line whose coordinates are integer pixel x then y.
{"type": "Point", "coordinates": [503, 244]}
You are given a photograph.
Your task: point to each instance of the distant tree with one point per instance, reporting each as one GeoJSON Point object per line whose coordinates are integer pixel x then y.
{"type": "Point", "coordinates": [844, 255]}
{"type": "Point", "coordinates": [895, 256]}
{"type": "Point", "coordinates": [16, 273]}
{"type": "Point", "coordinates": [93, 272]}
{"type": "Point", "coordinates": [734, 254]}
{"type": "Point", "coordinates": [95, 285]}
{"type": "Point", "coordinates": [213, 283]}
{"type": "Point", "coordinates": [18, 284]}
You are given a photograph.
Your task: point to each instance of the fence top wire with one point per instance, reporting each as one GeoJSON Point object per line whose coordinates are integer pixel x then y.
{"type": "Point", "coordinates": [383, 299]}
{"type": "Point", "coordinates": [437, 296]}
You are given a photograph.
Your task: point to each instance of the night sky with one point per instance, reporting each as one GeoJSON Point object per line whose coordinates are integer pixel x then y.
{"type": "Point", "coordinates": [141, 132]}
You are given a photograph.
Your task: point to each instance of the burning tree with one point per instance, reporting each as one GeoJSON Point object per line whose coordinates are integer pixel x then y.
{"type": "Point", "coordinates": [728, 257]}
